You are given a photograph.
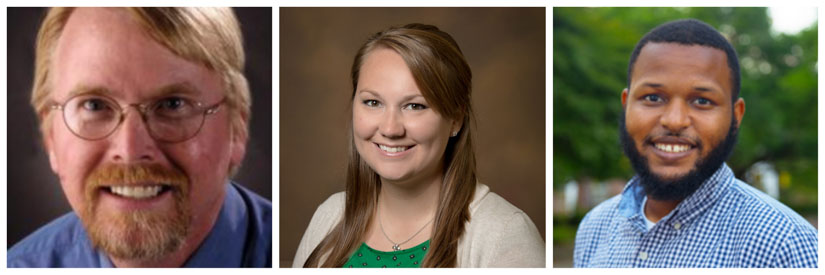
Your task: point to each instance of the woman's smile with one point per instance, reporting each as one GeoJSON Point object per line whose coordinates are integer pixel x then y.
{"type": "Point", "coordinates": [394, 150]}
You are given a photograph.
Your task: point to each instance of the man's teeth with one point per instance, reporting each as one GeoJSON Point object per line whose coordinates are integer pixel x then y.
{"type": "Point", "coordinates": [672, 148]}
{"type": "Point", "coordinates": [136, 192]}
{"type": "Point", "coordinates": [393, 149]}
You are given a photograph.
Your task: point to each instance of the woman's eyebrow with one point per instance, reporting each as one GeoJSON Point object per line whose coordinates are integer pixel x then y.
{"type": "Point", "coordinates": [370, 92]}
{"type": "Point", "coordinates": [404, 98]}
{"type": "Point", "coordinates": [411, 97]}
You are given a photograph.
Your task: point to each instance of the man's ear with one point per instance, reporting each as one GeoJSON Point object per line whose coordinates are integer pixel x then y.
{"type": "Point", "coordinates": [238, 147]}
{"type": "Point", "coordinates": [739, 110]}
{"type": "Point", "coordinates": [48, 145]}
{"type": "Point", "coordinates": [624, 98]}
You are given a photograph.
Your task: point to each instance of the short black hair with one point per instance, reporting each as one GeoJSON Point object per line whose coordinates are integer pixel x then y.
{"type": "Point", "coordinates": [690, 32]}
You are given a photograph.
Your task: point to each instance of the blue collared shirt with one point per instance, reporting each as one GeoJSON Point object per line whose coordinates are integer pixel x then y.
{"type": "Point", "coordinates": [725, 223]}
{"type": "Point", "coordinates": [241, 237]}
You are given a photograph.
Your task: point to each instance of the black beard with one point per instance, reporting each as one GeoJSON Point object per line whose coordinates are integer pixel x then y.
{"type": "Point", "coordinates": [680, 188]}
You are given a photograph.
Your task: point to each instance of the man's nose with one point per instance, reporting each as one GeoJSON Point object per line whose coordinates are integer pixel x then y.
{"type": "Point", "coordinates": [676, 117]}
{"type": "Point", "coordinates": [131, 141]}
{"type": "Point", "coordinates": [392, 124]}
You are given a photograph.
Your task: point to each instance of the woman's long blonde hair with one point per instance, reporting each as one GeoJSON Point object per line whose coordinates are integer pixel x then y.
{"type": "Point", "coordinates": [444, 78]}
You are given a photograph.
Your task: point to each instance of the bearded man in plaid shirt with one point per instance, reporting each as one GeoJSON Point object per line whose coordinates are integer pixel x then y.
{"type": "Point", "coordinates": [684, 207]}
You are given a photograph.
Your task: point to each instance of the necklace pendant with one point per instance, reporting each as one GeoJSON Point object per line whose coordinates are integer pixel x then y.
{"type": "Point", "coordinates": [396, 247]}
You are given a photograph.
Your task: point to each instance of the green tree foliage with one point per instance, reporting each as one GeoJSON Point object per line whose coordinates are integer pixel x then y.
{"type": "Point", "coordinates": [591, 49]}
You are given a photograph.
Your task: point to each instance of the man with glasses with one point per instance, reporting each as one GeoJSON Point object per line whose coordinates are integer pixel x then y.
{"type": "Point", "coordinates": [144, 116]}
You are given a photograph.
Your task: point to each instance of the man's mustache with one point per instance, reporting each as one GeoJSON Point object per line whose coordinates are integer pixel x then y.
{"type": "Point", "coordinates": [113, 174]}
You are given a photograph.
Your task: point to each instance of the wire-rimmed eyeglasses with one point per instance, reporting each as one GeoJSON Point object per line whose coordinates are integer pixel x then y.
{"type": "Point", "coordinates": [170, 119]}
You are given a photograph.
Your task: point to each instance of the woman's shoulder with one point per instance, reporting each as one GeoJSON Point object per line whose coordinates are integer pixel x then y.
{"type": "Point", "coordinates": [335, 203]}
{"type": "Point", "coordinates": [500, 234]}
{"type": "Point", "coordinates": [329, 212]}
{"type": "Point", "coordinates": [325, 218]}
{"type": "Point", "coordinates": [487, 204]}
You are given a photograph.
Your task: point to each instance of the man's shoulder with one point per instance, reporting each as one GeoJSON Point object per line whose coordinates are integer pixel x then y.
{"type": "Point", "coordinates": [768, 232]}
{"type": "Point", "coordinates": [754, 206]}
{"type": "Point", "coordinates": [603, 212]}
{"type": "Point", "coordinates": [757, 212]}
{"type": "Point", "coordinates": [259, 207]}
{"type": "Point", "coordinates": [44, 247]}
{"type": "Point", "coordinates": [253, 199]}
{"type": "Point", "coordinates": [594, 227]}
{"type": "Point", "coordinates": [260, 215]}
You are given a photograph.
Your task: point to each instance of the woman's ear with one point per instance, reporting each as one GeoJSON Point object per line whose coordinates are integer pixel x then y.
{"type": "Point", "coordinates": [456, 128]}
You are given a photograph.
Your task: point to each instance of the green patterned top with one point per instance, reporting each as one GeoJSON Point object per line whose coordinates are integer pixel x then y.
{"type": "Point", "coordinates": [366, 256]}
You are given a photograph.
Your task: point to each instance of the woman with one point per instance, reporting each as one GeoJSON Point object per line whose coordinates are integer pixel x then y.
{"type": "Point", "coordinates": [411, 197]}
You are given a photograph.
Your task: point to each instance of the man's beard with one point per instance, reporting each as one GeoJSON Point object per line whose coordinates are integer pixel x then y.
{"type": "Point", "coordinates": [658, 188]}
{"type": "Point", "coordinates": [142, 235]}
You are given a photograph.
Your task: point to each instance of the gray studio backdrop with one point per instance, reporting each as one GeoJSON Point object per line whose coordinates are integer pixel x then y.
{"type": "Point", "coordinates": [34, 193]}
{"type": "Point", "coordinates": [505, 48]}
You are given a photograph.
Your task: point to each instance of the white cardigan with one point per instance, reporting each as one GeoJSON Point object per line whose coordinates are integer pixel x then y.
{"type": "Point", "coordinates": [498, 234]}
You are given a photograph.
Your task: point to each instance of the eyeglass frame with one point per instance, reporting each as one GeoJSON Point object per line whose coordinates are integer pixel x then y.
{"type": "Point", "coordinates": [142, 108]}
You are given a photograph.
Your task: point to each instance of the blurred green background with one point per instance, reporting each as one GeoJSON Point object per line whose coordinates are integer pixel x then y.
{"type": "Point", "coordinates": [777, 148]}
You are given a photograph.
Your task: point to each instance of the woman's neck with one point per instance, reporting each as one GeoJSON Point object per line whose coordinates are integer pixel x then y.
{"type": "Point", "coordinates": [415, 201]}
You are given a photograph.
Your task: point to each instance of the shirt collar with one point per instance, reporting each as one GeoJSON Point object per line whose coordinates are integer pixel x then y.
{"type": "Point", "coordinates": [224, 246]}
{"type": "Point", "coordinates": [709, 192]}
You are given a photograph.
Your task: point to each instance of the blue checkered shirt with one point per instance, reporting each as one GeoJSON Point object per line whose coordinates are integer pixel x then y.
{"type": "Point", "coordinates": [725, 223]}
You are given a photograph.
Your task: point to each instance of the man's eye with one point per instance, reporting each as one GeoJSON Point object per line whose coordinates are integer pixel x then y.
{"type": "Point", "coordinates": [91, 108]}
{"type": "Point", "coordinates": [652, 98]}
{"type": "Point", "coordinates": [172, 103]}
{"type": "Point", "coordinates": [371, 102]}
{"type": "Point", "coordinates": [94, 105]}
{"type": "Point", "coordinates": [703, 101]}
{"type": "Point", "coordinates": [415, 106]}
{"type": "Point", "coordinates": [173, 107]}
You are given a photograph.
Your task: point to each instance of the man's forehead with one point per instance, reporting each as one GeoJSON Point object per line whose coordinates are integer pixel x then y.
{"type": "Point", "coordinates": [673, 48]}
{"type": "Point", "coordinates": [657, 58]}
{"type": "Point", "coordinates": [106, 50]}
{"type": "Point", "coordinates": [100, 21]}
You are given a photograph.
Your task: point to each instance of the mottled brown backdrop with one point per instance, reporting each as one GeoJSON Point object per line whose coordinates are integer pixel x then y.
{"type": "Point", "coordinates": [505, 48]}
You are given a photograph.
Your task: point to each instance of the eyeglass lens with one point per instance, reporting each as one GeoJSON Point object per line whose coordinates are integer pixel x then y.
{"type": "Point", "coordinates": [171, 119]}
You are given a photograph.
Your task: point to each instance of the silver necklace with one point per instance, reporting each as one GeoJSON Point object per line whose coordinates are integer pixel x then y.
{"type": "Point", "coordinates": [397, 246]}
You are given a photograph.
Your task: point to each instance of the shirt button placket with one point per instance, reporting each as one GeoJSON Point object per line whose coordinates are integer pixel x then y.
{"type": "Point", "coordinates": [677, 226]}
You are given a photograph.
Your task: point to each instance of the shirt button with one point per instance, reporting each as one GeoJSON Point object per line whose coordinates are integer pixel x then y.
{"type": "Point", "coordinates": [643, 255]}
{"type": "Point", "coordinates": [677, 226]}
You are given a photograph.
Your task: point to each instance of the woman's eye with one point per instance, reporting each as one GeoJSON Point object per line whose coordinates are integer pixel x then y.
{"type": "Point", "coordinates": [371, 102]}
{"type": "Point", "coordinates": [652, 98]}
{"type": "Point", "coordinates": [415, 106]}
